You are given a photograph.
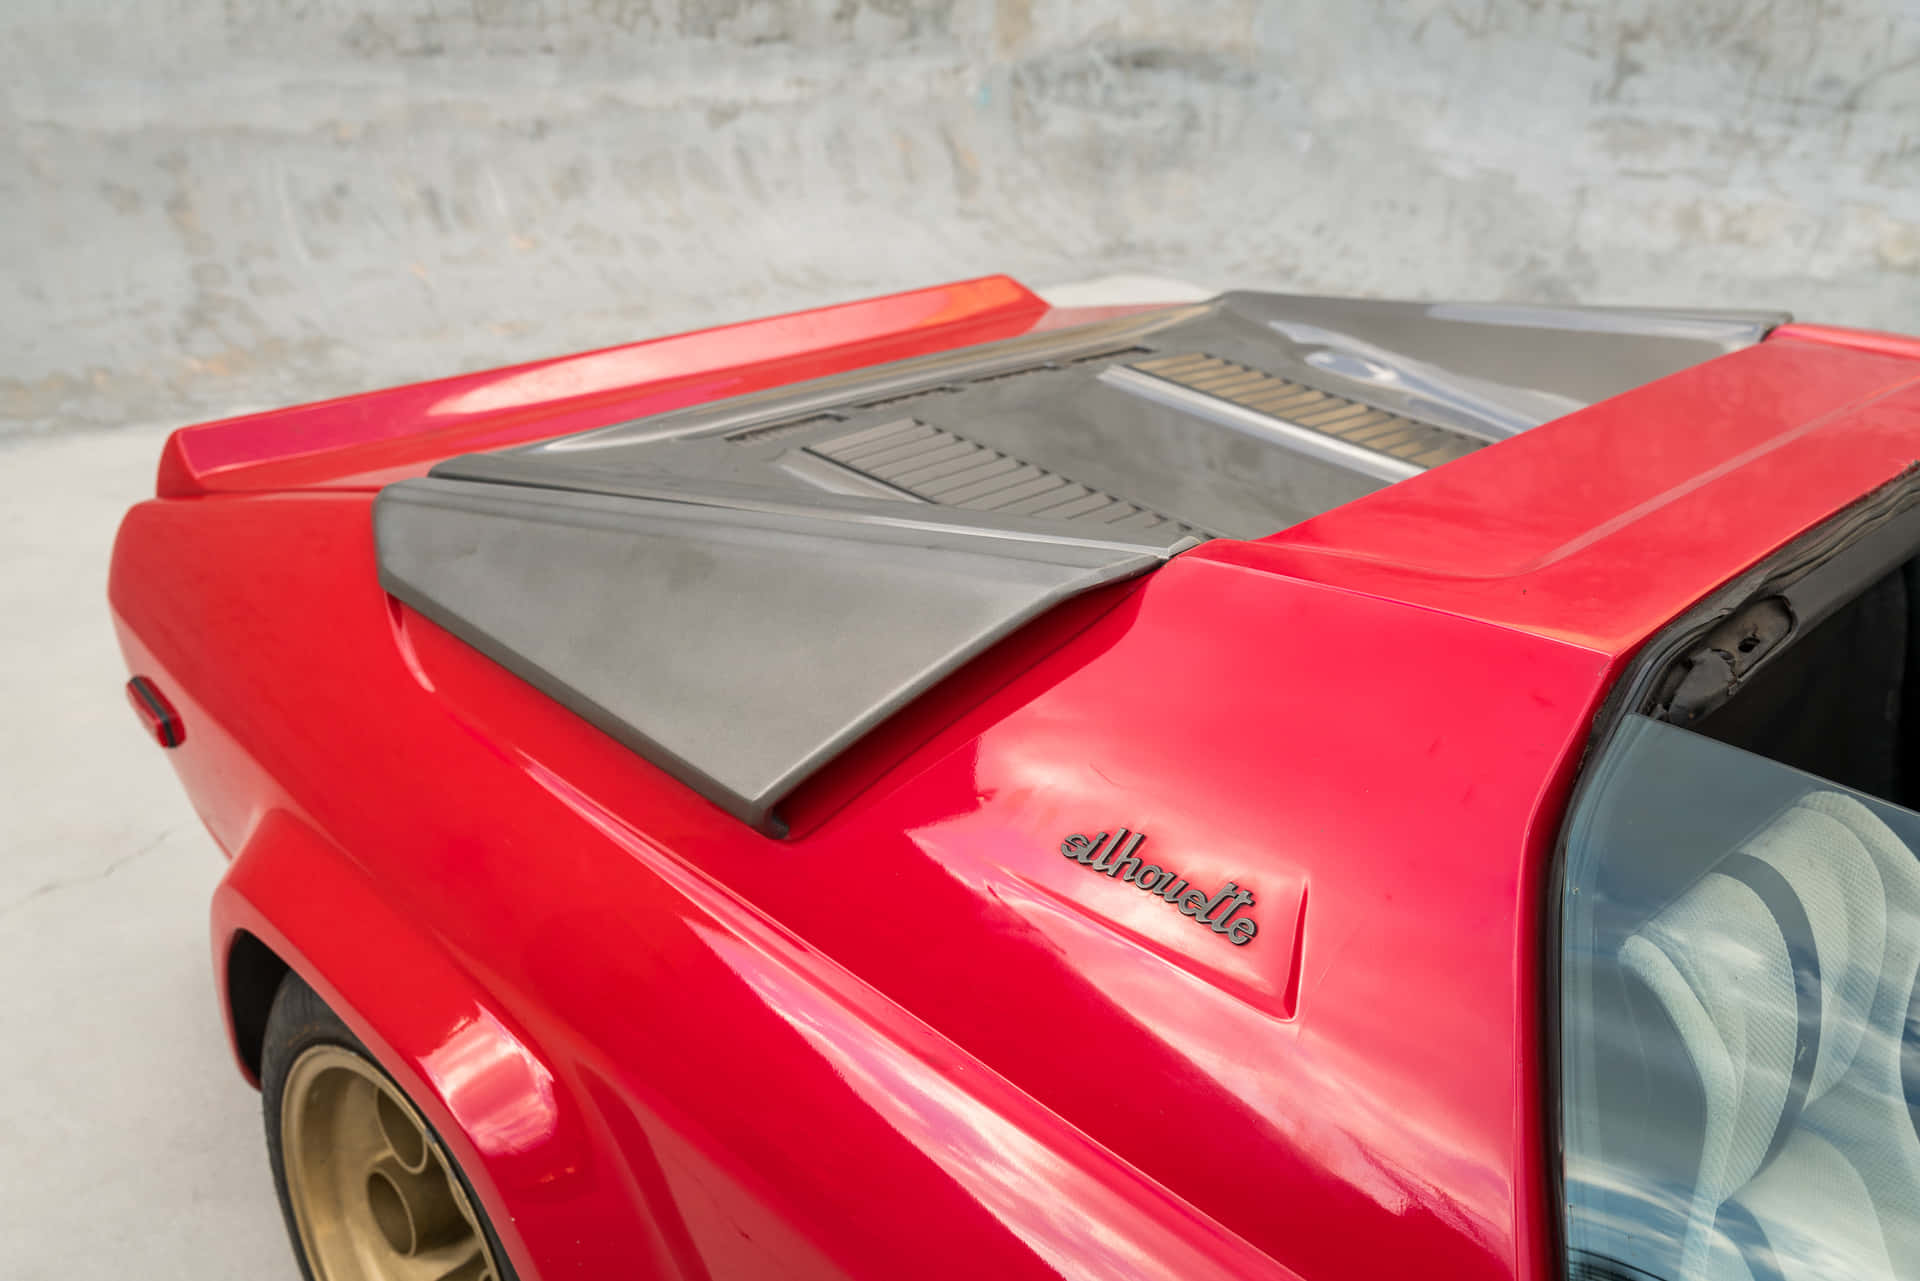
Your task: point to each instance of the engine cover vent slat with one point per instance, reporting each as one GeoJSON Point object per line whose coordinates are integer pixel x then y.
{"type": "Point", "coordinates": [1396, 436]}
{"type": "Point", "coordinates": [776, 431]}
{"type": "Point", "coordinates": [940, 466]}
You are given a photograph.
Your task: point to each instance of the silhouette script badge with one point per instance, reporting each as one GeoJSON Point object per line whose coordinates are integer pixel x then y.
{"type": "Point", "coordinates": [1118, 856]}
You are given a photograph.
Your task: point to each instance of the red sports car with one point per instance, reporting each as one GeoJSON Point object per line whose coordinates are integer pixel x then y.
{"type": "Point", "coordinates": [948, 787]}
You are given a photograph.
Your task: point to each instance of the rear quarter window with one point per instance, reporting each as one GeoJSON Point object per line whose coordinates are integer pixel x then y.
{"type": "Point", "coordinates": [1739, 1038]}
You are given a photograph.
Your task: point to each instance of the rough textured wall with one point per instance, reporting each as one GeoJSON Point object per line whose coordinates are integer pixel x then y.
{"type": "Point", "coordinates": [215, 204]}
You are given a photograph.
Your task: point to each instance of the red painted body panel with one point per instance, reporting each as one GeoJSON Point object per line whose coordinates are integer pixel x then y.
{"type": "Point", "coordinates": [1858, 339]}
{"type": "Point", "coordinates": [913, 1039]}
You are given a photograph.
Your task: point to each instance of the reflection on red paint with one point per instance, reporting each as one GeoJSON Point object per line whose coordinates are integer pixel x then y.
{"type": "Point", "coordinates": [560, 380]}
{"type": "Point", "coordinates": [502, 1094]}
{"type": "Point", "coordinates": [1078, 1225]}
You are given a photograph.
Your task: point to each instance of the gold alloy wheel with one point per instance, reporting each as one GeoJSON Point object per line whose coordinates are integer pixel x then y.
{"type": "Point", "coordinates": [374, 1196]}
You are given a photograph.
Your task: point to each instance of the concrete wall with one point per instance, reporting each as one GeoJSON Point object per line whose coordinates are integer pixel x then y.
{"type": "Point", "coordinates": [218, 204]}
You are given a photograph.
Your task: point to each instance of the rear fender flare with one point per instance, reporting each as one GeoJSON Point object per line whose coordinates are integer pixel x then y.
{"type": "Point", "coordinates": [508, 1119]}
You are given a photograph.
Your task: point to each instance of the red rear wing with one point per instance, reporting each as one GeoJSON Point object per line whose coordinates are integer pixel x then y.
{"type": "Point", "coordinates": [368, 440]}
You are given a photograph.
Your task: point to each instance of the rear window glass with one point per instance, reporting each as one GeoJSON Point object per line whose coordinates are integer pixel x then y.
{"type": "Point", "coordinates": [1740, 1042]}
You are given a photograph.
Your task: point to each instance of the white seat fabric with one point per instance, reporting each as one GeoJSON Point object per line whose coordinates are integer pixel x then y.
{"type": "Point", "coordinates": [1722, 960]}
{"type": "Point", "coordinates": [1866, 1114]}
{"type": "Point", "coordinates": [1806, 1217]}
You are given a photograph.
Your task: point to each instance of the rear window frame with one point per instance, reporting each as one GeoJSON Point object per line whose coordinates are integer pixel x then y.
{"type": "Point", "coordinates": [1814, 575]}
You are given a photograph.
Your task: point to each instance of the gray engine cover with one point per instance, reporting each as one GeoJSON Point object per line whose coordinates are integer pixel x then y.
{"type": "Point", "coordinates": [740, 590]}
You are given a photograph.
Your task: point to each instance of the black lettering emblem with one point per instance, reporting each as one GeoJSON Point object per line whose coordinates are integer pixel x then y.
{"type": "Point", "coordinates": [1118, 856]}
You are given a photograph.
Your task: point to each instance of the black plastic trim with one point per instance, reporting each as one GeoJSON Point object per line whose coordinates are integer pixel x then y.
{"type": "Point", "coordinates": [166, 724]}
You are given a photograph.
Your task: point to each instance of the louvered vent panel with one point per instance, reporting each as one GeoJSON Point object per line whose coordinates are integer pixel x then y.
{"type": "Point", "coordinates": [1384, 432]}
{"type": "Point", "coordinates": [778, 431]}
{"type": "Point", "coordinates": [941, 467]}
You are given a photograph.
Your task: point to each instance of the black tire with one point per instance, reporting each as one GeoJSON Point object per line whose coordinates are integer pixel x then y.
{"type": "Point", "coordinates": [298, 1021]}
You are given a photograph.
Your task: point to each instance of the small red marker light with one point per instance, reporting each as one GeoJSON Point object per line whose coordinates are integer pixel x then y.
{"type": "Point", "coordinates": [156, 713]}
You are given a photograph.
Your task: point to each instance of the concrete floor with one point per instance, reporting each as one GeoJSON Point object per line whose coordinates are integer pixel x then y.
{"type": "Point", "coordinates": [128, 1143]}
